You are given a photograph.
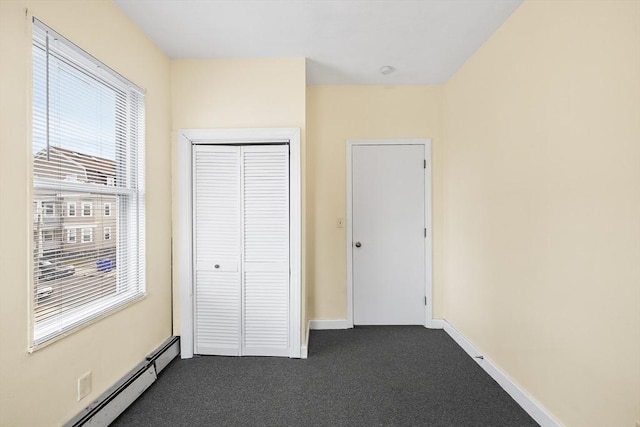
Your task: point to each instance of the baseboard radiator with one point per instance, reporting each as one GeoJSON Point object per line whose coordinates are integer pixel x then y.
{"type": "Point", "coordinates": [107, 407]}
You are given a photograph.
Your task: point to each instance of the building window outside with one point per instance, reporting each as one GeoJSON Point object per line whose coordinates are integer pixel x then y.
{"type": "Point", "coordinates": [71, 235]}
{"type": "Point", "coordinates": [88, 143]}
{"type": "Point", "coordinates": [48, 209]}
{"type": "Point", "coordinates": [87, 235]}
{"type": "Point", "coordinates": [87, 207]}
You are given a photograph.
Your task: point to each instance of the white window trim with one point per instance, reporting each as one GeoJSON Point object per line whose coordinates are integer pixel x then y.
{"type": "Point", "coordinates": [106, 232]}
{"type": "Point", "coordinates": [75, 210]}
{"type": "Point", "coordinates": [184, 238]}
{"type": "Point", "coordinates": [105, 209]}
{"type": "Point", "coordinates": [48, 233]}
{"type": "Point", "coordinates": [90, 204]}
{"type": "Point", "coordinates": [72, 232]}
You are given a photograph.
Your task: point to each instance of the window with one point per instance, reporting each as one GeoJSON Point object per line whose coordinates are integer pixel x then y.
{"type": "Point", "coordinates": [87, 235]}
{"type": "Point", "coordinates": [47, 235]}
{"type": "Point", "coordinates": [88, 147]}
{"type": "Point", "coordinates": [87, 207]}
{"type": "Point", "coordinates": [48, 209]}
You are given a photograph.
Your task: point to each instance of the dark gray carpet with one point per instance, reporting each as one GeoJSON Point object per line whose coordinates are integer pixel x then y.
{"type": "Point", "coordinates": [375, 375]}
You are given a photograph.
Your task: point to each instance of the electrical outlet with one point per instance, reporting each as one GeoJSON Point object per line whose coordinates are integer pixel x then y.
{"type": "Point", "coordinates": [84, 385]}
{"type": "Point", "coordinates": [340, 222]}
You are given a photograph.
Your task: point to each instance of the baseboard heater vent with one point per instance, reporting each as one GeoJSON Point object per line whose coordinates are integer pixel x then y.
{"type": "Point", "coordinates": [106, 408]}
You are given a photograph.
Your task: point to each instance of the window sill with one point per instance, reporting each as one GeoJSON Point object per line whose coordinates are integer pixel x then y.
{"type": "Point", "coordinates": [64, 325]}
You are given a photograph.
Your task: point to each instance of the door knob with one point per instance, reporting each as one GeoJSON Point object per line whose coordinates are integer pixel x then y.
{"type": "Point", "coordinates": [358, 244]}
{"type": "Point", "coordinates": [217, 266]}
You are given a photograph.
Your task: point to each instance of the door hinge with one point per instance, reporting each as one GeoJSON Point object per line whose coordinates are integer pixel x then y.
{"type": "Point", "coordinates": [425, 300]}
{"type": "Point", "coordinates": [425, 163]}
{"type": "Point", "coordinates": [425, 232]}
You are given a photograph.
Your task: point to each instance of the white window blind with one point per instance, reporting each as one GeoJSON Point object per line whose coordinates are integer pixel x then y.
{"type": "Point", "coordinates": [88, 154]}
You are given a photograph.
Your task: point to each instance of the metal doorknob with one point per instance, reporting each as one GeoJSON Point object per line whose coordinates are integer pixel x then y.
{"type": "Point", "coordinates": [358, 244]}
{"type": "Point", "coordinates": [217, 266]}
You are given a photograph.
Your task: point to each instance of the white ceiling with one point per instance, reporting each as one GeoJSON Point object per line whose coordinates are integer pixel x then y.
{"type": "Point", "coordinates": [345, 41]}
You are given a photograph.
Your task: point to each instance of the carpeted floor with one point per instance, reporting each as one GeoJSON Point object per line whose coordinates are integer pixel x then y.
{"type": "Point", "coordinates": [367, 376]}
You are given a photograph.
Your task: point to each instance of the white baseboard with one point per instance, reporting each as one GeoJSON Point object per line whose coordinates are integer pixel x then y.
{"type": "Point", "coordinates": [528, 403]}
{"type": "Point", "coordinates": [320, 324]}
{"type": "Point", "coordinates": [436, 324]}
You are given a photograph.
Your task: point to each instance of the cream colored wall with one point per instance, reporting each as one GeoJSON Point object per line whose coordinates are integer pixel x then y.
{"type": "Point", "coordinates": [338, 113]}
{"type": "Point", "coordinates": [40, 389]}
{"type": "Point", "coordinates": [542, 206]}
{"type": "Point", "coordinates": [238, 93]}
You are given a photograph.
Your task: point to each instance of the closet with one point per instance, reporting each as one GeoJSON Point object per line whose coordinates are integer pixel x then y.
{"type": "Point", "coordinates": [241, 253]}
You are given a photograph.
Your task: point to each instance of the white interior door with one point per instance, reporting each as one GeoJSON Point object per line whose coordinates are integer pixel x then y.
{"type": "Point", "coordinates": [241, 235]}
{"type": "Point", "coordinates": [217, 247]}
{"type": "Point", "coordinates": [265, 237]}
{"type": "Point", "coordinates": [388, 234]}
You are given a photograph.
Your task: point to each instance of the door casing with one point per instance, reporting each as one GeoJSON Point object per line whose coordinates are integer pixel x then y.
{"type": "Point", "coordinates": [185, 139]}
{"type": "Point", "coordinates": [426, 142]}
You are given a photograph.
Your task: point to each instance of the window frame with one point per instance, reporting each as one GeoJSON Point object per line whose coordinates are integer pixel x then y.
{"type": "Point", "coordinates": [107, 212]}
{"type": "Point", "coordinates": [127, 184]}
{"type": "Point", "coordinates": [86, 231]}
{"type": "Point", "coordinates": [45, 208]}
{"type": "Point", "coordinates": [106, 233]}
{"type": "Point", "coordinates": [90, 205]}
{"type": "Point", "coordinates": [48, 233]}
{"type": "Point", "coordinates": [75, 211]}
{"type": "Point", "coordinates": [72, 232]}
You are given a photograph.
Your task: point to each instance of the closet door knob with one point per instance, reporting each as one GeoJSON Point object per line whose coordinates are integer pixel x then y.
{"type": "Point", "coordinates": [217, 266]}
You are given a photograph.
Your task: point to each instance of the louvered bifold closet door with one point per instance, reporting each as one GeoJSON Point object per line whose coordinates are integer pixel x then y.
{"type": "Point", "coordinates": [217, 237]}
{"type": "Point", "coordinates": [265, 241]}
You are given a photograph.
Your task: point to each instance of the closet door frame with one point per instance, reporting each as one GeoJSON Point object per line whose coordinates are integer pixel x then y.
{"type": "Point", "coordinates": [185, 139]}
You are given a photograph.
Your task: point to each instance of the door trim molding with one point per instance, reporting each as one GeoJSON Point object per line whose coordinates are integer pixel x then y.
{"type": "Point", "coordinates": [426, 142]}
{"type": "Point", "coordinates": [185, 139]}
